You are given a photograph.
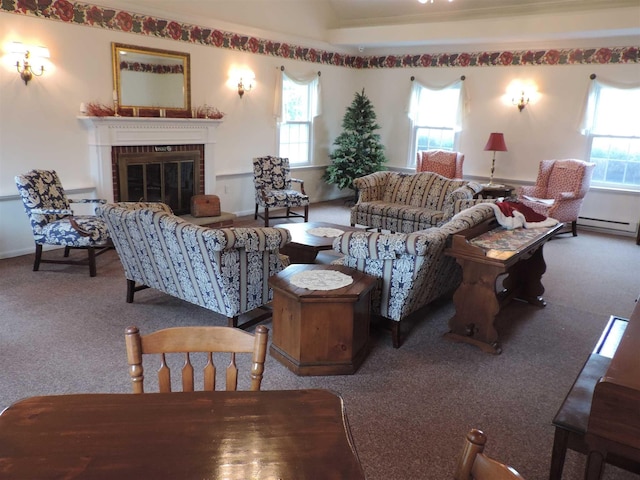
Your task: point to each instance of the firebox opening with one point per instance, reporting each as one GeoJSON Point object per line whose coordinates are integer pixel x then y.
{"type": "Point", "coordinates": [163, 175]}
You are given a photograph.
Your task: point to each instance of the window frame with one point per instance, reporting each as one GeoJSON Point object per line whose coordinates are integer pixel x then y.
{"type": "Point", "coordinates": [284, 123]}
{"type": "Point", "coordinates": [592, 132]}
{"type": "Point", "coordinates": [455, 128]}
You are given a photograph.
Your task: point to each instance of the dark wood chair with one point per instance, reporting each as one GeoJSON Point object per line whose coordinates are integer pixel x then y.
{"type": "Point", "coordinates": [191, 340]}
{"type": "Point", "coordinates": [475, 465]}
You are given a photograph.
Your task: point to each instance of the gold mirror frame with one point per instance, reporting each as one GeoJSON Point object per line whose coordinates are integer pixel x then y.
{"type": "Point", "coordinates": [135, 91]}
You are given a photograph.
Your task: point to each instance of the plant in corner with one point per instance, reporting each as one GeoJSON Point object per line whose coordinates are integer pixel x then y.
{"type": "Point", "coordinates": [359, 151]}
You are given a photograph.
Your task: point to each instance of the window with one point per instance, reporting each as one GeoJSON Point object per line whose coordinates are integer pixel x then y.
{"type": "Point", "coordinates": [299, 99]}
{"type": "Point", "coordinates": [612, 125]}
{"type": "Point", "coordinates": [436, 116]}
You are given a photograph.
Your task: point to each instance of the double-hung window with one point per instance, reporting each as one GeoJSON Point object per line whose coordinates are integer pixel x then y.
{"type": "Point", "coordinates": [612, 125]}
{"type": "Point", "coordinates": [298, 106]}
{"type": "Point", "coordinates": [436, 117]}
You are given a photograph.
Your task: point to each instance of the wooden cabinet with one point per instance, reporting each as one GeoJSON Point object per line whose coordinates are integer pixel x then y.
{"type": "Point", "coordinates": [321, 332]}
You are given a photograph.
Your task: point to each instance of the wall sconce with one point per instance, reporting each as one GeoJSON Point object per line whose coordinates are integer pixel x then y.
{"type": "Point", "coordinates": [30, 60]}
{"type": "Point", "coordinates": [245, 86]}
{"type": "Point", "coordinates": [522, 102]}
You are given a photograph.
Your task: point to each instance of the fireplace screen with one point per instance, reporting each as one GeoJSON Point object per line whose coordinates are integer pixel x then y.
{"type": "Point", "coordinates": [169, 177]}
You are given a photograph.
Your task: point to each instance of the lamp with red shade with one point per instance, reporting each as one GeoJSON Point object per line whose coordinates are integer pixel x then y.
{"type": "Point", "coordinates": [495, 144]}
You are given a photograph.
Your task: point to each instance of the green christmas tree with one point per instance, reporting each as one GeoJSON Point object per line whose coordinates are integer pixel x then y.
{"type": "Point", "coordinates": [359, 151]}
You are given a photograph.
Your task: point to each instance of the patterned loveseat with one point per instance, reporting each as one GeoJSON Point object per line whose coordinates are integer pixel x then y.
{"type": "Point", "coordinates": [407, 202]}
{"type": "Point", "coordinates": [225, 270]}
{"type": "Point", "coordinates": [412, 267]}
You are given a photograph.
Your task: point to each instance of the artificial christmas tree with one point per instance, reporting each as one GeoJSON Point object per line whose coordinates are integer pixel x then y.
{"type": "Point", "coordinates": [359, 151]}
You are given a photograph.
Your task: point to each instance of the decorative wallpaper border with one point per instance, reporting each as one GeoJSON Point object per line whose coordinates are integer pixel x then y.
{"type": "Point", "coordinates": [119, 20]}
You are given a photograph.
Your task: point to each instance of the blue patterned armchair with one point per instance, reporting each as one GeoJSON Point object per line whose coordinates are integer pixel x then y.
{"type": "Point", "coordinates": [54, 223]}
{"type": "Point", "coordinates": [273, 184]}
{"type": "Point", "coordinates": [225, 270]}
{"type": "Point", "coordinates": [413, 268]}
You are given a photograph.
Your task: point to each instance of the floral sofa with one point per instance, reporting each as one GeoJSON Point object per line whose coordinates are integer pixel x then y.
{"type": "Point", "coordinates": [225, 270]}
{"type": "Point", "coordinates": [413, 268]}
{"type": "Point", "coordinates": [403, 202]}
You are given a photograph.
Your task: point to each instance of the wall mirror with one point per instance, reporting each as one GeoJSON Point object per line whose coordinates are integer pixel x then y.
{"type": "Point", "coordinates": [151, 78]}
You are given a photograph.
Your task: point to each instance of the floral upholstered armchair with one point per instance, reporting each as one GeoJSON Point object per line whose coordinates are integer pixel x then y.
{"type": "Point", "coordinates": [222, 269]}
{"type": "Point", "coordinates": [413, 268]}
{"type": "Point", "coordinates": [53, 222]}
{"type": "Point", "coordinates": [559, 190]}
{"type": "Point", "coordinates": [273, 184]}
{"type": "Point", "coordinates": [443, 162]}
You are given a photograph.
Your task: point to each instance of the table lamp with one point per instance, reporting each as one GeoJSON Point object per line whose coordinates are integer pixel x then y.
{"type": "Point", "coordinates": [495, 144]}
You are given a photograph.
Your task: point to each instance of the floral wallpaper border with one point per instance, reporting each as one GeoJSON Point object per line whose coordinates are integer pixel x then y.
{"type": "Point", "coordinates": [95, 16]}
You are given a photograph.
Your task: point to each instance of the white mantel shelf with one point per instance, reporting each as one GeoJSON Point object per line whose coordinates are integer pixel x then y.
{"type": "Point", "coordinates": [106, 132]}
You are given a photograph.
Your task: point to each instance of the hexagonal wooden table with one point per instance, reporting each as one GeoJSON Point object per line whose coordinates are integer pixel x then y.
{"type": "Point", "coordinates": [321, 332]}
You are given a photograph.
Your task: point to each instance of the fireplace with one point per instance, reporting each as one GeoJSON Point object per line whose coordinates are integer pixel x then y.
{"type": "Point", "coordinates": [169, 173]}
{"type": "Point", "coordinates": [149, 138]}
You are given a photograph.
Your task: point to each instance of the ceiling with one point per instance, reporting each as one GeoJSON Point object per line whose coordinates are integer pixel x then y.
{"type": "Point", "coordinates": [389, 23]}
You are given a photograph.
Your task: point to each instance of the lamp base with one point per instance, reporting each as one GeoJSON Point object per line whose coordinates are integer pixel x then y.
{"type": "Point", "coordinates": [492, 185]}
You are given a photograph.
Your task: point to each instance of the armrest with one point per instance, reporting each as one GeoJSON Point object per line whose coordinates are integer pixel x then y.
{"type": "Point", "coordinates": [455, 202]}
{"type": "Point", "coordinates": [566, 196]}
{"type": "Point", "coordinates": [87, 200]}
{"type": "Point", "coordinates": [370, 187]}
{"type": "Point", "coordinates": [531, 190]}
{"type": "Point", "coordinates": [153, 206]}
{"type": "Point", "coordinates": [256, 239]}
{"type": "Point", "coordinates": [384, 246]}
{"type": "Point", "coordinates": [52, 211]}
{"type": "Point", "coordinates": [301, 182]}
{"type": "Point", "coordinates": [465, 203]}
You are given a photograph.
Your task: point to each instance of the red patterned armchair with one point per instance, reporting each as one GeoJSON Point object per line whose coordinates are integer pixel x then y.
{"type": "Point", "coordinates": [559, 190]}
{"type": "Point", "coordinates": [445, 163]}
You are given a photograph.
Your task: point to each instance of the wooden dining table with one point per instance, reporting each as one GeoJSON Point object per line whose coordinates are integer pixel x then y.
{"type": "Point", "coordinates": [275, 435]}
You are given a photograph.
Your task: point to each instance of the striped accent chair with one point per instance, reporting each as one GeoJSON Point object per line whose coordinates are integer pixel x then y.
{"type": "Point", "coordinates": [225, 270]}
{"type": "Point", "coordinates": [412, 268]}
{"type": "Point", "coordinates": [407, 202]}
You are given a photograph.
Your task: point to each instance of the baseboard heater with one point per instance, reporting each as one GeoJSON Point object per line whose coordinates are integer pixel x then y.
{"type": "Point", "coordinates": [601, 224]}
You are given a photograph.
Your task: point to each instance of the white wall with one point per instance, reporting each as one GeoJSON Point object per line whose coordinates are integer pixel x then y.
{"type": "Point", "coordinates": [39, 128]}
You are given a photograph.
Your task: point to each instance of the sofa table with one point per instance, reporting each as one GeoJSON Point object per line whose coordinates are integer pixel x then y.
{"type": "Point", "coordinates": [485, 252]}
{"type": "Point", "coordinates": [321, 332]}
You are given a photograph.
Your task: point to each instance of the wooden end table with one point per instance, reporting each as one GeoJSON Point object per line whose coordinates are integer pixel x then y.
{"type": "Point", "coordinates": [304, 247]}
{"type": "Point", "coordinates": [495, 191]}
{"type": "Point", "coordinates": [321, 332]}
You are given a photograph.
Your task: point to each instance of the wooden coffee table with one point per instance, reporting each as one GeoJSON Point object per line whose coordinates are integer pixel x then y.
{"type": "Point", "coordinates": [304, 247]}
{"type": "Point", "coordinates": [321, 332]}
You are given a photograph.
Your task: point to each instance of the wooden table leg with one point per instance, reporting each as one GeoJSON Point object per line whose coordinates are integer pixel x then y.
{"type": "Point", "coordinates": [476, 307]}
{"type": "Point", "coordinates": [525, 279]}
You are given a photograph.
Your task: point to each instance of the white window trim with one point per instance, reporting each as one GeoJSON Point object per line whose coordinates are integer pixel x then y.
{"type": "Point", "coordinates": [412, 113]}
{"type": "Point", "coordinates": [311, 80]}
{"type": "Point", "coordinates": [587, 121]}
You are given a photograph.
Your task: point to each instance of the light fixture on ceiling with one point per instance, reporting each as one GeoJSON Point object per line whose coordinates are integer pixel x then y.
{"type": "Point", "coordinates": [431, 1]}
{"type": "Point", "coordinates": [30, 60]}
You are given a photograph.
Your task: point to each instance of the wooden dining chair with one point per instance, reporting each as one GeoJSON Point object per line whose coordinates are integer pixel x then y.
{"type": "Point", "coordinates": [475, 465]}
{"type": "Point", "coordinates": [191, 340]}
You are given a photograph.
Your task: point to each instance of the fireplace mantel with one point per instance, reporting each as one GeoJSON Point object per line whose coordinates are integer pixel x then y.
{"type": "Point", "coordinates": [106, 132]}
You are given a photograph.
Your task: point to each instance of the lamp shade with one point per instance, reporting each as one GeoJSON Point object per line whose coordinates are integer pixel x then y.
{"type": "Point", "coordinates": [496, 143]}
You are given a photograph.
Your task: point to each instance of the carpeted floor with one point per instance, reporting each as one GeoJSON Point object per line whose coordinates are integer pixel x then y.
{"type": "Point", "coordinates": [409, 408]}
